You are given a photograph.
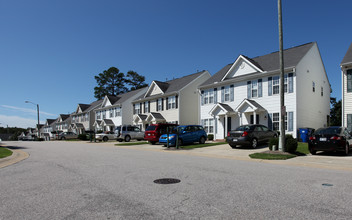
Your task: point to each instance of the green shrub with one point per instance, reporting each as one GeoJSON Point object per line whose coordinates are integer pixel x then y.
{"type": "Point", "coordinates": [39, 139]}
{"type": "Point", "coordinates": [290, 143]}
{"type": "Point", "coordinates": [273, 141]}
{"type": "Point", "coordinates": [210, 137]}
{"type": "Point", "coordinates": [82, 137]}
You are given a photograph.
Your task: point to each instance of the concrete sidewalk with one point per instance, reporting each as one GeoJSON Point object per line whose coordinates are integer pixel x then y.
{"type": "Point", "coordinates": [17, 156]}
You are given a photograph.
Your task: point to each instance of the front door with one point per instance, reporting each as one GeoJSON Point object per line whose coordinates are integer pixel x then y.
{"type": "Point", "coordinates": [228, 125]}
{"type": "Point", "coordinates": [252, 119]}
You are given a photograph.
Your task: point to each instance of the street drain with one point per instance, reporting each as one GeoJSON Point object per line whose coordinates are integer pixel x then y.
{"type": "Point", "coordinates": [167, 181]}
{"type": "Point", "coordinates": [327, 184]}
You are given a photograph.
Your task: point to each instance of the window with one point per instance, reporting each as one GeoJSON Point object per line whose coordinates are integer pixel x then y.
{"type": "Point", "coordinates": [104, 114]}
{"type": "Point", "coordinates": [118, 111]}
{"type": "Point", "coordinates": [276, 85]}
{"type": "Point", "coordinates": [98, 115]}
{"type": "Point", "coordinates": [254, 88]}
{"type": "Point", "coordinates": [322, 91]}
{"type": "Point", "coordinates": [288, 121]}
{"type": "Point", "coordinates": [209, 96]}
{"type": "Point", "coordinates": [86, 116]}
{"type": "Point", "coordinates": [137, 108]}
{"type": "Point", "coordinates": [349, 80]}
{"type": "Point", "coordinates": [171, 103]}
{"type": "Point", "coordinates": [208, 125]}
{"type": "Point", "coordinates": [146, 107]}
{"type": "Point", "coordinates": [227, 94]}
{"type": "Point", "coordinates": [276, 121]}
{"type": "Point", "coordinates": [313, 85]}
{"type": "Point", "coordinates": [111, 113]}
{"type": "Point", "coordinates": [160, 105]}
{"type": "Point", "coordinates": [349, 122]}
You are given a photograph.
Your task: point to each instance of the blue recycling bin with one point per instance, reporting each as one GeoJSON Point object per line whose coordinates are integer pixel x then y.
{"type": "Point", "coordinates": [304, 134]}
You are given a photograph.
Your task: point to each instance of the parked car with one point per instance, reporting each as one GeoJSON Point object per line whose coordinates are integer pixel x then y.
{"type": "Point", "coordinates": [335, 139]}
{"type": "Point", "coordinates": [128, 132]}
{"type": "Point", "coordinates": [67, 135]}
{"type": "Point", "coordinates": [105, 136]}
{"type": "Point", "coordinates": [250, 135]}
{"type": "Point", "coordinates": [187, 134]}
{"type": "Point", "coordinates": [154, 131]}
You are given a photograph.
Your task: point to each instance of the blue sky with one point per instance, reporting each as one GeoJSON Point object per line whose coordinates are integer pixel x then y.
{"type": "Point", "coordinates": [51, 50]}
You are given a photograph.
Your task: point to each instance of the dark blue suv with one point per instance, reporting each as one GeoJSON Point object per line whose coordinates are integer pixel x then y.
{"type": "Point", "coordinates": [187, 134]}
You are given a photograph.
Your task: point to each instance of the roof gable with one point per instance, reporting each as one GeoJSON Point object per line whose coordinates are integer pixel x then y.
{"type": "Point", "coordinates": [242, 66]}
{"type": "Point", "coordinates": [348, 56]}
{"type": "Point", "coordinates": [156, 88]}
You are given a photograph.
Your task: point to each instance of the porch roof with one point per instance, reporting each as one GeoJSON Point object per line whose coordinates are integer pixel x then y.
{"type": "Point", "coordinates": [222, 107]}
{"type": "Point", "coordinates": [251, 103]}
{"type": "Point", "coordinates": [108, 122]}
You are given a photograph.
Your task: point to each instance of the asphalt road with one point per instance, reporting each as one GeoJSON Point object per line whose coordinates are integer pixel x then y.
{"type": "Point", "coordinates": [70, 180]}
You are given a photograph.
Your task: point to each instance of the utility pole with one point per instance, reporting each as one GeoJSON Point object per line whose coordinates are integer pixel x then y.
{"type": "Point", "coordinates": [282, 91]}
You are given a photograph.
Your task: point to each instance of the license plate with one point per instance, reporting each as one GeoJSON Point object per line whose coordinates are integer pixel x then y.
{"type": "Point", "coordinates": [322, 139]}
{"type": "Point", "coordinates": [234, 139]}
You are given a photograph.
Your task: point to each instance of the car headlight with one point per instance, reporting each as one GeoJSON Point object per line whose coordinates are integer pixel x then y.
{"type": "Point", "coordinates": [172, 136]}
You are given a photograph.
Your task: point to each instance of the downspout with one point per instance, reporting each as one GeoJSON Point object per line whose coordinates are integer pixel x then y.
{"type": "Point", "coordinates": [343, 98]}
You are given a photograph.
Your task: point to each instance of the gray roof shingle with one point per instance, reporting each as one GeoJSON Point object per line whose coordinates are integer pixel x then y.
{"type": "Point", "coordinates": [348, 56]}
{"type": "Point", "coordinates": [268, 62]}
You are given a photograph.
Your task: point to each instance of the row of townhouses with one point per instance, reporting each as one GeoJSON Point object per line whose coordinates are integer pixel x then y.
{"type": "Point", "coordinates": [243, 92]}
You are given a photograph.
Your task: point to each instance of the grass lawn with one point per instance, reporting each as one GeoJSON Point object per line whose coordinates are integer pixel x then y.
{"type": "Point", "coordinates": [132, 143]}
{"type": "Point", "coordinates": [5, 152]}
{"type": "Point", "coordinates": [302, 150]}
{"type": "Point", "coordinates": [201, 145]}
{"type": "Point", "coordinates": [267, 156]}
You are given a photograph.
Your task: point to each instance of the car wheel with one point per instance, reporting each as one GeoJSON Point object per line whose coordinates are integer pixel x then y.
{"type": "Point", "coordinates": [152, 142]}
{"type": "Point", "coordinates": [127, 138]}
{"type": "Point", "coordinates": [233, 145]}
{"type": "Point", "coordinates": [202, 140]}
{"type": "Point", "coordinates": [313, 152]}
{"type": "Point", "coordinates": [254, 143]}
{"type": "Point", "coordinates": [120, 140]}
{"type": "Point", "coordinates": [347, 149]}
{"type": "Point", "coordinates": [139, 139]}
{"type": "Point", "coordinates": [105, 139]}
{"type": "Point", "coordinates": [180, 142]}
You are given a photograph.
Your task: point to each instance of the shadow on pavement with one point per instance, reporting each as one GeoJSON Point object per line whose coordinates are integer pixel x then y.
{"type": "Point", "coordinates": [15, 147]}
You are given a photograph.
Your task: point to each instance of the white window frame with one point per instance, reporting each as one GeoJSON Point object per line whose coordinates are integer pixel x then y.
{"type": "Point", "coordinates": [171, 102]}
{"type": "Point", "coordinates": [227, 94]}
{"type": "Point", "coordinates": [160, 104]}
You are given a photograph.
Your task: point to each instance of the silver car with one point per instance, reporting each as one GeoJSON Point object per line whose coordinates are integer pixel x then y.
{"type": "Point", "coordinates": [67, 135]}
{"type": "Point", "coordinates": [128, 132]}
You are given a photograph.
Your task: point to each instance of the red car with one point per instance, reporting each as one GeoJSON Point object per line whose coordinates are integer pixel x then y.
{"type": "Point", "coordinates": [154, 131]}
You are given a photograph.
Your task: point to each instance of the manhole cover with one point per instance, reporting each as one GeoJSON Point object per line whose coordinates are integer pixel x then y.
{"type": "Point", "coordinates": [167, 181]}
{"type": "Point", "coordinates": [327, 184]}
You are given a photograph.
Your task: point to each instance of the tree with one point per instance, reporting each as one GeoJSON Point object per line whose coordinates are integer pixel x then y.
{"type": "Point", "coordinates": [110, 82]}
{"type": "Point", "coordinates": [135, 80]}
{"type": "Point", "coordinates": [335, 112]}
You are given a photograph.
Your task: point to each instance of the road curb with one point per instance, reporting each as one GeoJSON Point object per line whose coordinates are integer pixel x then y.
{"type": "Point", "coordinates": [17, 156]}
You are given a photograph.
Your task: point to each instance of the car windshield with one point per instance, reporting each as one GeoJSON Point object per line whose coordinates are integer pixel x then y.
{"type": "Point", "coordinates": [151, 128]}
{"type": "Point", "coordinates": [331, 130]}
{"type": "Point", "coordinates": [243, 128]}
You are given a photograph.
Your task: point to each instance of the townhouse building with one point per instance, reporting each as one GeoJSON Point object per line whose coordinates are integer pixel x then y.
{"type": "Point", "coordinates": [116, 110]}
{"type": "Point", "coordinates": [82, 120]}
{"type": "Point", "coordinates": [63, 123]}
{"type": "Point", "coordinates": [346, 68]}
{"type": "Point", "coordinates": [247, 92]}
{"type": "Point", "coordinates": [173, 101]}
{"type": "Point", "coordinates": [48, 128]}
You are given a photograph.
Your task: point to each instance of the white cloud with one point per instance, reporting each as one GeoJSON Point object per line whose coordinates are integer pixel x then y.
{"type": "Point", "coordinates": [16, 121]}
{"type": "Point", "coordinates": [27, 110]}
